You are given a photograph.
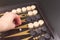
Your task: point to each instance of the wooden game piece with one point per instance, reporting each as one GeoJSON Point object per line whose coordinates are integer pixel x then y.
{"type": "Point", "coordinates": [43, 28]}
{"type": "Point", "coordinates": [30, 25]}
{"type": "Point", "coordinates": [33, 7]}
{"type": "Point", "coordinates": [35, 12]}
{"type": "Point", "coordinates": [14, 11]}
{"type": "Point", "coordinates": [41, 22]}
{"type": "Point", "coordinates": [30, 13]}
{"type": "Point", "coordinates": [38, 31]}
{"type": "Point", "coordinates": [23, 9]}
{"type": "Point", "coordinates": [47, 36]}
{"type": "Point", "coordinates": [19, 10]}
{"type": "Point", "coordinates": [36, 24]}
{"type": "Point", "coordinates": [28, 8]}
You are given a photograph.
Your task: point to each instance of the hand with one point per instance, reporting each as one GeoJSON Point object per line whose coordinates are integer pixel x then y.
{"type": "Point", "coordinates": [9, 21]}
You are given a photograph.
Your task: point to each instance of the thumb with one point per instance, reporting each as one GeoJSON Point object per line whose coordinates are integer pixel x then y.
{"type": "Point", "coordinates": [17, 20]}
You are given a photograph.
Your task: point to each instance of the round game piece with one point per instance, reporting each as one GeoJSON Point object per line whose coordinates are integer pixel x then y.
{"type": "Point", "coordinates": [33, 7]}
{"type": "Point", "coordinates": [36, 24]}
{"type": "Point", "coordinates": [28, 19]}
{"type": "Point", "coordinates": [33, 18]}
{"type": "Point", "coordinates": [18, 10]}
{"type": "Point", "coordinates": [23, 9]}
{"type": "Point", "coordinates": [38, 31]}
{"type": "Point", "coordinates": [43, 28]}
{"type": "Point", "coordinates": [41, 22]}
{"type": "Point", "coordinates": [28, 8]}
{"type": "Point", "coordinates": [30, 13]}
{"type": "Point", "coordinates": [20, 29]}
{"type": "Point", "coordinates": [14, 11]}
{"type": "Point", "coordinates": [30, 25]}
{"type": "Point", "coordinates": [6, 12]}
{"type": "Point", "coordinates": [33, 33]}
{"type": "Point", "coordinates": [47, 36]}
{"type": "Point", "coordinates": [42, 38]}
{"type": "Point", "coordinates": [37, 17]}
{"type": "Point", "coordinates": [35, 12]}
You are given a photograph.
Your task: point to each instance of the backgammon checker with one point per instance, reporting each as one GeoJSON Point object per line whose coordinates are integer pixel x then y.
{"type": "Point", "coordinates": [34, 26]}
{"type": "Point", "coordinates": [18, 10]}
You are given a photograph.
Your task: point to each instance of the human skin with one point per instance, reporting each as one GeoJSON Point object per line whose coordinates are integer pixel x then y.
{"type": "Point", "coordinates": [9, 21]}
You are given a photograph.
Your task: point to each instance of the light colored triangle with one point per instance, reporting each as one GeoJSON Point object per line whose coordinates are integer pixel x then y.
{"type": "Point", "coordinates": [19, 34]}
{"type": "Point", "coordinates": [27, 38]}
{"type": "Point", "coordinates": [23, 26]}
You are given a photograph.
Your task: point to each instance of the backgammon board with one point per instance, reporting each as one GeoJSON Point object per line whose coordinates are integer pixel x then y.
{"type": "Point", "coordinates": [34, 26]}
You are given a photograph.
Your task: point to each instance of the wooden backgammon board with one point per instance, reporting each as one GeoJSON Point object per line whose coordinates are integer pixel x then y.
{"type": "Point", "coordinates": [34, 26]}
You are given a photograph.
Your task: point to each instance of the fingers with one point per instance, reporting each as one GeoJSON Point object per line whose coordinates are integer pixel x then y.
{"type": "Point", "coordinates": [9, 21]}
{"type": "Point", "coordinates": [8, 16]}
{"type": "Point", "coordinates": [12, 18]}
{"type": "Point", "coordinates": [17, 20]}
